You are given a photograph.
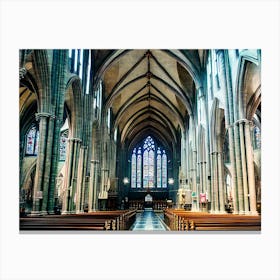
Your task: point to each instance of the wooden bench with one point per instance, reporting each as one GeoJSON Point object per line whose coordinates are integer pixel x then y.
{"type": "Point", "coordinates": [186, 220]}
{"type": "Point", "coordinates": [102, 220]}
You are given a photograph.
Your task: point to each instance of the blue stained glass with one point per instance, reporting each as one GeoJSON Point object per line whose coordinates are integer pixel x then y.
{"type": "Point", "coordinates": [139, 168]}
{"type": "Point", "coordinates": [164, 170]}
{"type": "Point", "coordinates": [133, 169]}
{"type": "Point", "coordinates": [32, 140]}
{"type": "Point", "coordinates": [159, 168]}
{"type": "Point", "coordinates": [145, 169]}
{"type": "Point", "coordinates": [149, 166]}
{"type": "Point", "coordinates": [63, 145]}
{"type": "Point", "coordinates": [257, 136]}
{"type": "Point", "coordinates": [37, 142]}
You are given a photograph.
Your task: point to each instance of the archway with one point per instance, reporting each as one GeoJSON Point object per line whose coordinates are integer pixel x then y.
{"type": "Point", "coordinates": [26, 192]}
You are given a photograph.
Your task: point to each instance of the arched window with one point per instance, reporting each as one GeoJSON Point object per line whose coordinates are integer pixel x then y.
{"type": "Point", "coordinates": [97, 99]}
{"type": "Point", "coordinates": [139, 168]}
{"type": "Point", "coordinates": [164, 170]}
{"type": "Point", "coordinates": [81, 64]}
{"type": "Point", "coordinates": [88, 72]}
{"type": "Point", "coordinates": [63, 145]}
{"type": "Point", "coordinates": [133, 169]}
{"type": "Point", "coordinates": [148, 165]}
{"type": "Point", "coordinates": [256, 138]}
{"type": "Point", "coordinates": [159, 170]}
{"type": "Point", "coordinates": [75, 61]}
{"type": "Point", "coordinates": [32, 140]}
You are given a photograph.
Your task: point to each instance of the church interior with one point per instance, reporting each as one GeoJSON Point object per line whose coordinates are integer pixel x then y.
{"type": "Point", "coordinates": [140, 139]}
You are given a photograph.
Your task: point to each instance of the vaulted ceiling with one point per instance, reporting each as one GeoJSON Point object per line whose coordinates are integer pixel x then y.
{"type": "Point", "coordinates": [150, 91]}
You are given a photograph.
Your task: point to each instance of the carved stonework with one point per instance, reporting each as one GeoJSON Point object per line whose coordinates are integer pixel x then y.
{"type": "Point", "coordinates": [22, 73]}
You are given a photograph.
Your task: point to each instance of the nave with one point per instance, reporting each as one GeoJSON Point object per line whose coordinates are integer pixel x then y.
{"type": "Point", "coordinates": [117, 130]}
{"type": "Point", "coordinates": [149, 220]}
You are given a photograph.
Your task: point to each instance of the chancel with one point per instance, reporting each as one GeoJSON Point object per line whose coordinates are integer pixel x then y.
{"type": "Point", "coordinates": [136, 140]}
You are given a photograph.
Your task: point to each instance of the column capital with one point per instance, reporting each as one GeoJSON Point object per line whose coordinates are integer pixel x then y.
{"type": "Point", "coordinates": [44, 115]}
{"type": "Point", "coordinates": [245, 121]}
{"type": "Point", "coordinates": [73, 139]}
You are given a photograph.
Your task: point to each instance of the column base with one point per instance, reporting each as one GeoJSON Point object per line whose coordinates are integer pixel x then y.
{"type": "Point", "coordinates": [39, 213]}
{"type": "Point", "coordinates": [65, 212]}
{"type": "Point", "coordinates": [35, 213]}
{"type": "Point", "coordinates": [194, 209]}
{"type": "Point", "coordinates": [253, 213]}
{"type": "Point", "coordinates": [92, 211]}
{"type": "Point", "coordinates": [214, 212]}
{"type": "Point", "coordinates": [79, 212]}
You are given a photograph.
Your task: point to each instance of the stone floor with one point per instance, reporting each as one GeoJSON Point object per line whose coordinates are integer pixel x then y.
{"type": "Point", "coordinates": [148, 220]}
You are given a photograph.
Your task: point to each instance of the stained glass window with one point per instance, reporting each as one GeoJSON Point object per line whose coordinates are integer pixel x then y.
{"type": "Point", "coordinates": [32, 140]}
{"type": "Point", "coordinates": [149, 165]}
{"type": "Point", "coordinates": [145, 169]}
{"type": "Point", "coordinates": [109, 118]}
{"type": "Point", "coordinates": [159, 168]}
{"type": "Point", "coordinates": [151, 169]}
{"type": "Point", "coordinates": [63, 145]}
{"type": "Point", "coordinates": [257, 137]}
{"type": "Point", "coordinates": [164, 170]}
{"type": "Point", "coordinates": [133, 169]}
{"type": "Point", "coordinates": [81, 64]}
{"type": "Point", "coordinates": [76, 61]}
{"type": "Point", "coordinates": [139, 168]}
{"type": "Point", "coordinates": [88, 73]}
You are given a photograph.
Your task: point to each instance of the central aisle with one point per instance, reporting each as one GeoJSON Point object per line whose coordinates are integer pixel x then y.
{"type": "Point", "coordinates": [148, 220]}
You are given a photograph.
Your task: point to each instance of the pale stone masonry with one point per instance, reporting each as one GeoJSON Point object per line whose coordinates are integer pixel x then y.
{"type": "Point", "coordinates": [191, 102]}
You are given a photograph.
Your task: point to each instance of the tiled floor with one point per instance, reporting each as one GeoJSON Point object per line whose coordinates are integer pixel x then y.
{"type": "Point", "coordinates": [148, 220]}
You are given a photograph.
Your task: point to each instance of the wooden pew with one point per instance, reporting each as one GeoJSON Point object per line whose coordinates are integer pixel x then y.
{"type": "Point", "coordinates": [102, 220]}
{"type": "Point", "coordinates": [186, 220]}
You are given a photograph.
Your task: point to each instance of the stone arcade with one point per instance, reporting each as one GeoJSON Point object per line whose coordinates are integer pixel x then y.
{"type": "Point", "coordinates": [125, 130]}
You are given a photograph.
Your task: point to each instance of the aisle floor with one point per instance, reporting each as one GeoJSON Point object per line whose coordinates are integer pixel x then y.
{"type": "Point", "coordinates": [148, 220]}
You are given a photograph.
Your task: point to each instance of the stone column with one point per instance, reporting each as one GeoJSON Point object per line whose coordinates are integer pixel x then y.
{"type": "Point", "coordinates": [244, 167]}
{"type": "Point", "coordinates": [195, 207]}
{"type": "Point", "coordinates": [233, 165]}
{"type": "Point", "coordinates": [200, 167]}
{"type": "Point", "coordinates": [76, 150]}
{"type": "Point", "coordinates": [211, 194]}
{"type": "Point", "coordinates": [204, 169]}
{"type": "Point", "coordinates": [84, 195]}
{"type": "Point", "coordinates": [79, 180]}
{"type": "Point", "coordinates": [238, 169]}
{"type": "Point", "coordinates": [95, 186]}
{"type": "Point", "coordinates": [229, 118]}
{"type": "Point", "coordinates": [48, 159]}
{"type": "Point", "coordinates": [221, 183]}
{"type": "Point", "coordinates": [40, 164]}
{"type": "Point", "coordinates": [183, 155]}
{"type": "Point", "coordinates": [91, 188]}
{"type": "Point", "coordinates": [251, 172]}
{"type": "Point", "coordinates": [68, 176]}
{"type": "Point", "coordinates": [215, 202]}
